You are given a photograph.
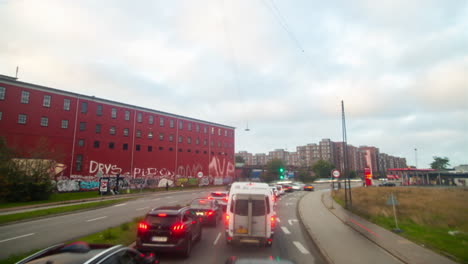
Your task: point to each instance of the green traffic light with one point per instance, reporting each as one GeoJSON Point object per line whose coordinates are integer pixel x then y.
{"type": "Point", "coordinates": [281, 169]}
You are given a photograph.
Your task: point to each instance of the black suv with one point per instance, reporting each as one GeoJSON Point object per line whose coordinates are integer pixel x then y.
{"type": "Point", "coordinates": [82, 252]}
{"type": "Point", "coordinates": [170, 228]}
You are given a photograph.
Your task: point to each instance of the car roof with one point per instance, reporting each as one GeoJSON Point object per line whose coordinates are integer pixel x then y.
{"type": "Point", "coordinates": [167, 209]}
{"type": "Point", "coordinates": [73, 253]}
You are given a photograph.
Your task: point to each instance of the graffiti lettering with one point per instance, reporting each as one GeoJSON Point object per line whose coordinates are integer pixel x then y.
{"type": "Point", "coordinates": [95, 167]}
{"type": "Point", "coordinates": [89, 185]}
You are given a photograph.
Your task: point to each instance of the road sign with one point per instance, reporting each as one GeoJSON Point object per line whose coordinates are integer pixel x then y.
{"type": "Point", "coordinates": [200, 174]}
{"type": "Point", "coordinates": [336, 173]}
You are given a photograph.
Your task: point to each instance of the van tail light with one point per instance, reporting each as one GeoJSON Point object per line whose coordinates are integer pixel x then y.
{"type": "Point", "coordinates": [226, 221]}
{"type": "Point", "coordinates": [209, 213]}
{"type": "Point", "coordinates": [142, 226]}
{"type": "Point", "coordinates": [179, 227]}
{"type": "Point", "coordinates": [225, 199]}
{"type": "Point", "coordinates": [273, 222]}
{"type": "Point", "coordinates": [210, 198]}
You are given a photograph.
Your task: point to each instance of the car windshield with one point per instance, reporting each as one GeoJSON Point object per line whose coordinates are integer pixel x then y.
{"type": "Point", "coordinates": [218, 194]}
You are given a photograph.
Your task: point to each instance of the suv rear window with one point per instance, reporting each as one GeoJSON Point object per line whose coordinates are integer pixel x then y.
{"type": "Point", "coordinates": [242, 207]}
{"type": "Point", "coordinates": [161, 220]}
{"type": "Point", "coordinates": [201, 204]}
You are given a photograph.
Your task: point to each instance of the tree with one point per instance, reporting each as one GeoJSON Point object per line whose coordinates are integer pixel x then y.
{"type": "Point", "coordinates": [273, 170]}
{"type": "Point", "coordinates": [440, 163]}
{"type": "Point", "coordinates": [322, 168]}
{"type": "Point", "coordinates": [240, 159]}
{"type": "Point", "coordinates": [304, 175]}
{"type": "Point", "coordinates": [353, 174]}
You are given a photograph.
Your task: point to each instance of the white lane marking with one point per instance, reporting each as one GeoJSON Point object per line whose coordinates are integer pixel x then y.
{"type": "Point", "coordinates": [143, 208]}
{"type": "Point", "coordinates": [285, 230]}
{"type": "Point", "coordinates": [277, 219]}
{"type": "Point", "coordinates": [301, 248]}
{"type": "Point", "coordinates": [95, 219]}
{"type": "Point", "coordinates": [117, 205]}
{"type": "Point", "coordinates": [8, 239]}
{"type": "Point", "coordinates": [156, 199]}
{"type": "Point", "coordinates": [290, 221]}
{"type": "Point", "coordinates": [217, 238]}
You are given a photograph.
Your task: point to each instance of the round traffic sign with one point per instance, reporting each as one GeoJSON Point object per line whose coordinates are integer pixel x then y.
{"type": "Point", "coordinates": [200, 174]}
{"type": "Point", "coordinates": [336, 173]}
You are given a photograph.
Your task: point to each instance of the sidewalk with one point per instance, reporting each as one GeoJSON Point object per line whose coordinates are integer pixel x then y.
{"type": "Point", "coordinates": [343, 237]}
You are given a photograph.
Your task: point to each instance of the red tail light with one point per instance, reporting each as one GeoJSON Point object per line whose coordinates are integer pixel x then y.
{"type": "Point", "coordinates": [179, 227]}
{"type": "Point", "coordinates": [209, 213]}
{"type": "Point", "coordinates": [273, 221]}
{"type": "Point", "coordinates": [142, 226]}
{"type": "Point", "coordinates": [225, 199]}
{"type": "Point", "coordinates": [226, 222]}
{"type": "Point", "coordinates": [210, 198]}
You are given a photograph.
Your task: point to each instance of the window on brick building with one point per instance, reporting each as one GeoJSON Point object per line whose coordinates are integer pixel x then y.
{"type": "Point", "coordinates": [137, 147]}
{"type": "Point", "coordinates": [24, 97]}
{"type": "Point", "coordinates": [79, 162]}
{"type": "Point", "coordinates": [125, 146]}
{"type": "Point", "coordinates": [46, 101]}
{"type": "Point", "coordinates": [44, 121]}
{"type": "Point", "coordinates": [66, 104]}
{"type": "Point", "coordinates": [96, 144]}
{"type": "Point", "coordinates": [139, 117]}
{"type": "Point", "coordinates": [81, 142]}
{"type": "Point", "coordinates": [82, 126]}
{"type": "Point", "coordinates": [112, 130]}
{"type": "Point", "coordinates": [127, 115]}
{"type": "Point", "coordinates": [150, 148]}
{"type": "Point", "coordinates": [99, 110]}
{"type": "Point", "coordinates": [84, 107]}
{"type": "Point", "coordinates": [125, 132]}
{"type": "Point", "coordinates": [64, 123]}
{"type": "Point", "coordinates": [161, 121]}
{"type": "Point", "coordinates": [98, 129]}
{"type": "Point", "coordinates": [2, 93]}
{"type": "Point", "coordinates": [114, 113]}
{"type": "Point", "coordinates": [161, 136]}
{"type": "Point", "coordinates": [171, 123]}
{"type": "Point", "coordinates": [111, 145]}
{"type": "Point", "coordinates": [22, 118]}
{"type": "Point", "coordinates": [150, 119]}
{"type": "Point", "coordinates": [138, 133]}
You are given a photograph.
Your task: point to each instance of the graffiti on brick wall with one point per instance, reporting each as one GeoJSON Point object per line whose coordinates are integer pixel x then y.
{"type": "Point", "coordinates": [220, 172]}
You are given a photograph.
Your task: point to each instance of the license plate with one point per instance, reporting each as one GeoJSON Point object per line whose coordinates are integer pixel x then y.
{"type": "Point", "coordinates": [242, 231]}
{"type": "Point", "coordinates": [159, 239]}
{"type": "Point", "coordinates": [200, 213]}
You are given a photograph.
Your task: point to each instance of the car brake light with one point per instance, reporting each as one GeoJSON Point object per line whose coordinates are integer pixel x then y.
{"type": "Point", "coordinates": [210, 198]}
{"type": "Point", "coordinates": [225, 199]}
{"type": "Point", "coordinates": [142, 226]}
{"type": "Point", "coordinates": [273, 222]}
{"type": "Point", "coordinates": [226, 222]}
{"type": "Point", "coordinates": [178, 227]}
{"type": "Point", "coordinates": [209, 213]}
{"type": "Point", "coordinates": [162, 215]}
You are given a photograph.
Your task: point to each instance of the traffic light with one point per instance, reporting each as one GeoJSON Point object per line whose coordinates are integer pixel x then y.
{"type": "Point", "coordinates": [281, 171]}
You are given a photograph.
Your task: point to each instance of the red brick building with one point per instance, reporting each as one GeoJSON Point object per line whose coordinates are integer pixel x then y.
{"type": "Point", "coordinates": [93, 136]}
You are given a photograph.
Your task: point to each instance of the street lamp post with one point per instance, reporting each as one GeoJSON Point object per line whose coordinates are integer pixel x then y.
{"type": "Point", "coordinates": [416, 156]}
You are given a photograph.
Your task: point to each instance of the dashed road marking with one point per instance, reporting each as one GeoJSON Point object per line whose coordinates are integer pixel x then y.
{"type": "Point", "coordinates": [117, 205]}
{"type": "Point", "coordinates": [217, 238]}
{"type": "Point", "coordinates": [8, 239]}
{"type": "Point", "coordinates": [277, 219]}
{"type": "Point", "coordinates": [95, 219]}
{"type": "Point", "coordinates": [301, 248]}
{"type": "Point", "coordinates": [290, 221]}
{"type": "Point", "coordinates": [143, 208]}
{"type": "Point", "coordinates": [285, 230]}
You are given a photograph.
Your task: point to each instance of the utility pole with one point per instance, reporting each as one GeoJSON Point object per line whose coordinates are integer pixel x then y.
{"type": "Point", "coordinates": [348, 197]}
{"type": "Point", "coordinates": [416, 157]}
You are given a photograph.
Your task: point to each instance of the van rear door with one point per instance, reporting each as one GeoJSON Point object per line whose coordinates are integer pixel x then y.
{"type": "Point", "coordinates": [250, 215]}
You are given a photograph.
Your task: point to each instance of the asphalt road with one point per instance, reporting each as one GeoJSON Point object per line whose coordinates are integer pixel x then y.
{"type": "Point", "coordinates": [290, 241]}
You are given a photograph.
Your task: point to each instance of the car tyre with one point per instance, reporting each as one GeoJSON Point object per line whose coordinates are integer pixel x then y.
{"type": "Point", "coordinates": [188, 248]}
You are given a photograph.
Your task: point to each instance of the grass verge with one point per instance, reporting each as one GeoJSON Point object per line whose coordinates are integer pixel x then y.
{"type": "Point", "coordinates": [434, 218]}
{"type": "Point", "coordinates": [123, 234]}
{"type": "Point", "coordinates": [58, 210]}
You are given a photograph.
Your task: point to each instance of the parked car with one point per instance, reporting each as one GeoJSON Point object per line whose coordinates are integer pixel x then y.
{"type": "Point", "coordinates": [309, 187]}
{"type": "Point", "coordinates": [221, 197]}
{"type": "Point", "coordinates": [387, 184]}
{"type": "Point", "coordinates": [207, 209]}
{"type": "Point", "coordinates": [287, 188]}
{"type": "Point", "coordinates": [169, 228]}
{"type": "Point", "coordinates": [82, 252]}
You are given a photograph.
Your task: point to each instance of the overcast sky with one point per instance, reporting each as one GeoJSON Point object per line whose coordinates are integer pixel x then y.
{"type": "Point", "coordinates": [282, 66]}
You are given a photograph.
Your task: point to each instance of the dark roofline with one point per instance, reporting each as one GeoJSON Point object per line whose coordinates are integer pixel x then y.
{"type": "Point", "coordinates": [14, 81]}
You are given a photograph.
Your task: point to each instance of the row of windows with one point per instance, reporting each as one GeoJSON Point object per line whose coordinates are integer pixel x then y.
{"type": "Point", "coordinates": [25, 96]}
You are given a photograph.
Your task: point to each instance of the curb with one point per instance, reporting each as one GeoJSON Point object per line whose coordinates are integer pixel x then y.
{"type": "Point", "coordinates": [360, 231]}
{"type": "Point", "coordinates": [321, 250]}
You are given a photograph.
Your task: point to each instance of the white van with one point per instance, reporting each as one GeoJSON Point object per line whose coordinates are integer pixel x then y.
{"type": "Point", "coordinates": [250, 215]}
